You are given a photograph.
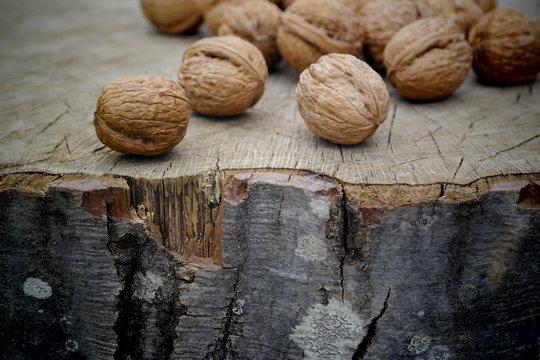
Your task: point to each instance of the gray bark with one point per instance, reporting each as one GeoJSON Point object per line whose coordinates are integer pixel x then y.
{"type": "Point", "coordinates": [306, 269]}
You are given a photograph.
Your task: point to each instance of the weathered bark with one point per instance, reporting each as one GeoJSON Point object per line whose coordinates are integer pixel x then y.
{"type": "Point", "coordinates": [301, 266]}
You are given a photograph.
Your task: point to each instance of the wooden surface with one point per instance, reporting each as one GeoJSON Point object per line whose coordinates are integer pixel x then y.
{"type": "Point", "coordinates": [57, 55]}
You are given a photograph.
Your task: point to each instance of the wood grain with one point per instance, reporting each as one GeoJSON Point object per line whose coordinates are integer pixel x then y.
{"type": "Point", "coordinates": [53, 70]}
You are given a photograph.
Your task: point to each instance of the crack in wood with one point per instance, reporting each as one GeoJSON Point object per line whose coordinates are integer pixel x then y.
{"type": "Point", "coordinates": [161, 313]}
{"type": "Point", "coordinates": [407, 162]}
{"type": "Point", "coordinates": [392, 124]}
{"type": "Point", "coordinates": [457, 170]}
{"type": "Point", "coordinates": [443, 191]}
{"type": "Point", "coordinates": [67, 145]}
{"type": "Point", "coordinates": [371, 331]}
{"type": "Point", "coordinates": [429, 133]}
{"type": "Point", "coordinates": [510, 148]}
{"type": "Point", "coordinates": [470, 128]}
{"type": "Point", "coordinates": [344, 239]}
{"type": "Point", "coordinates": [52, 123]}
{"type": "Point", "coordinates": [436, 145]}
{"type": "Point", "coordinates": [221, 348]}
{"type": "Point", "coordinates": [125, 252]}
{"type": "Point", "coordinates": [118, 159]}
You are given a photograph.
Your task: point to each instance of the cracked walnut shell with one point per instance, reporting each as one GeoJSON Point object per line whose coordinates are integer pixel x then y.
{"type": "Point", "coordinates": [172, 16]}
{"type": "Point", "coordinates": [428, 59]}
{"type": "Point", "coordinates": [342, 99]}
{"type": "Point", "coordinates": [256, 21]}
{"type": "Point", "coordinates": [312, 28]}
{"type": "Point", "coordinates": [381, 20]}
{"type": "Point", "coordinates": [144, 115]}
{"type": "Point", "coordinates": [506, 47]}
{"type": "Point", "coordinates": [223, 75]}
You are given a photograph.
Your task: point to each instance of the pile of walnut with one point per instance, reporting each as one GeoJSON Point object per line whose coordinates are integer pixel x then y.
{"type": "Point", "coordinates": [426, 48]}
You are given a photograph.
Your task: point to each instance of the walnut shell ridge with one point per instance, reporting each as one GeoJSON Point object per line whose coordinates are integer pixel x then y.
{"type": "Point", "coordinates": [172, 16]}
{"type": "Point", "coordinates": [256, 21]}
{"type": "Point", "coordinates": [357, 5]}
{"type": "Point", "coordinates": [342, 99]}
{"type": "Point", "coordinates": [464, 12]}
{"type": "Point", "coordinates": [354, 5]}
{"type": "Point", "coordinates": [428, 59]}
{"type": "Point", "coordinates": [312, 28]}
{"type": "Point", "coordinates": [206, 5]}
{"type": "Point", "coordinates": [223, 75]}
{"type": "Point", "coordinates": [144, 115]}
{"type": "Point", "coordinates": [506, 47]}
{"type": "Point", "coordinates": [381, 19]}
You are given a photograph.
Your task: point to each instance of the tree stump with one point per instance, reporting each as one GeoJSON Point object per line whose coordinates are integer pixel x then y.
{"type": "Point", "coordinates": [254, 239]}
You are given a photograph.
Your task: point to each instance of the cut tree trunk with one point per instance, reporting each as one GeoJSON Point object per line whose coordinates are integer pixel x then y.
{"type": "Point", "coordinates": [254, 239]}
{"type": "Point", "coordinates": [300, 266]}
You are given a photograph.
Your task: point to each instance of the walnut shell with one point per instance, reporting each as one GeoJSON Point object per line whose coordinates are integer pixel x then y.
{"type": "Point", "coordinates": [144, 115]}
{"type": "Point", "coordinates": [464, 12]}
{"type": "Point", "coordinates": [381, 20]}
{"type": "Point", "coordinates": [342, 99]}
{"type": "Point", "coordinates": [357, 5]}
{"type": "Point", "coordinates": [223, 75]}
{"type": "Point", "coordinates": [256, 21]}
{"type": "Point", "coordinates": [172, 16]}
{"type": "Point", "coordinates": [506, 47]}
{"type": "Point", "coordinates": [354, 5]}
{"type": "Point", "coordinates": [206, 5]}
{"type": "Point", "coordinates": [428, 59]}
{"type": "Point", "coordinates": [312, 28]}
{"type": "Point", "coordinates": [486, 5]}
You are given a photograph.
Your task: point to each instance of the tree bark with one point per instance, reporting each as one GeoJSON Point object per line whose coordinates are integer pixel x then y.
{"type": "Point", "coordinates": [301, 267]}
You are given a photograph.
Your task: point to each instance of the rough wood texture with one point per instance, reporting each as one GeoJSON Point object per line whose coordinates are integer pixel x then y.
{"type": "Point", "coordinates": [53, 71]}
{"type": "Point", "coordinates": [306, 268]}
{"type": "Point", "coordinates": [62, 278]}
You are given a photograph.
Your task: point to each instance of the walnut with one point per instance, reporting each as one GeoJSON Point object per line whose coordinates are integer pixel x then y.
{"type": "Point", "coordinates": [256, 21]}
{"type": "Point", "coordinates": [172, 16]}
{"type": "Point", "coordinates": [357, 5]}
{"type": "Point", "coordinates": [342, 99]}
{"type": "Point", "coordinates": [381, 20]}
{"type": "Point", "coordinates": [312, 28]}
{"type": "Point", "coordinates": [144, 115]}
{"type": "Point", "coordinates": [206, 5]}
{"type": "Point", "coordinates": [428, 59]}
{"type": "Point", "coordinates": [506, 47]}
{"type": "Point", "coordinates": [464, 12]}
{"type": "Point", "coordinates": [223, 75]}
{"type": "Point", "coordinates": [486, 5]}
{"type": "Point", "coordinates": [354, 5]}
